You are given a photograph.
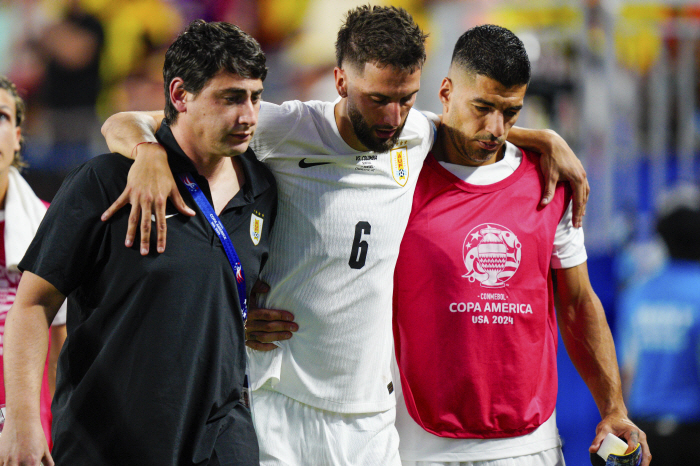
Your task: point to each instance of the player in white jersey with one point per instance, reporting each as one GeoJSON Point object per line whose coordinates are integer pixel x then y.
{"type": "Point", "coordinates": [346, 172]}
{"type": "Point", "coordinates": [341, 214]}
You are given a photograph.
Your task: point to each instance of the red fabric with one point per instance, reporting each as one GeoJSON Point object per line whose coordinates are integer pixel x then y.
{"type": "Point", "coordinates": [8, 291]}
{"type": "Point", "coordinates": [469, 372]}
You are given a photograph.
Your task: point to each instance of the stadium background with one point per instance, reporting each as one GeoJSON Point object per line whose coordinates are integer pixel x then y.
{"type": "Point", "coordinates": [618, 79]}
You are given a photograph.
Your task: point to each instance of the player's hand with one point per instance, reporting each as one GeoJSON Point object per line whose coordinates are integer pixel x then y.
{"type": "Point", "coordinates": [25, 446]}
{"type": "Point", "coordinates": [265, 326]}
{"type": "Point", "coordinates": [620, 425]}
{"type": "Point", "coordinates": [562, 163]}
{"type": "Point", "coordinates": [149, 185]}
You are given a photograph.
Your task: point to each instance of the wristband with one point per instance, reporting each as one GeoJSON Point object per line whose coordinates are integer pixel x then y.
{"type": "Point", "coordinates": [142, 142]}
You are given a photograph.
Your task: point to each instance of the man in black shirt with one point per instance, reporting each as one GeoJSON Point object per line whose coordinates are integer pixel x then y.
{"type": "Point", "coordinates": [153, 367]}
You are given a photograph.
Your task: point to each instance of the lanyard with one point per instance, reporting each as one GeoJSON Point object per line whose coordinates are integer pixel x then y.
{"type": "Point", "coordinates": [221, 232]}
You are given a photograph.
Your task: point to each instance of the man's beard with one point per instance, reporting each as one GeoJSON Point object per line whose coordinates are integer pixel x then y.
{"type": "Point", "coordinates": [364, 132]}
{"type": "Point", "coordinates": [476, 156]}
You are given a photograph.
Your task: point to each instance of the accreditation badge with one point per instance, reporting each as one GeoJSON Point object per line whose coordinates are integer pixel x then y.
{"type": "Point", "coordinates": [256, 224]}
{"type": "Point", "coordinates": [399, 164]}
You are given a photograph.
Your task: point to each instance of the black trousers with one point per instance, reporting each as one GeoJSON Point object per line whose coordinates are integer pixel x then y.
{"type": "Point", "coordinates": [237, 444]}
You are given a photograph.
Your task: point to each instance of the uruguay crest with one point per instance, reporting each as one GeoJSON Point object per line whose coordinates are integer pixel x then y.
{"type": "Point", "coordinates": [491, 254]}
{"type": "Point", "coordinates": [256, 224]}
{"type": "Point", "coordinates": [399, 164]}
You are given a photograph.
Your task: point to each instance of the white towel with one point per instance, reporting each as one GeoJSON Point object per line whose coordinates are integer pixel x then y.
{"type": "Point", "coordinates": [23, 214]}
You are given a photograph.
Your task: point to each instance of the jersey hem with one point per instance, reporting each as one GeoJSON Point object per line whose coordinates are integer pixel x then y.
{"type": "Point", "coordinates": [569, 262]}
{"type": "Point", "coordinates": [333, 406]}
{"type": "Point", "coordinates": [521, 450]}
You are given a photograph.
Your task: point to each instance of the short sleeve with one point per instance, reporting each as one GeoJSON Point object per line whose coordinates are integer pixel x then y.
{"type": "Point", "coordinates": [275, 124]}
{"type": "Point", "coordinates": [67, 243]}
{"type": "Point", "coordinates": [568, 249]}
{"type": "Point", "coordinates": [61, 316]}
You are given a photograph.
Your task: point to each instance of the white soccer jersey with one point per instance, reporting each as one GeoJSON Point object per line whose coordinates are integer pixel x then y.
{"type": "Point", "coordinates": [342, 214]}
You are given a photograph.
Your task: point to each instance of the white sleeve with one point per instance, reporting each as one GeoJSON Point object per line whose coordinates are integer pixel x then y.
{"type": "Point", "coordinates": [60, 318]}
{"type": "Point", "coordinates": [568, 250]}
{"type": "Point", "coordinates": [275, 124]}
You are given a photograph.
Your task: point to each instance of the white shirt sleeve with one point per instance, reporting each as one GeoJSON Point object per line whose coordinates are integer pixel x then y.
{"type": "Point", "coordinates": [275, 124]}
{"type": "Point", "coordinates": [60, 318]}
{"type": "Point", "coordinates": [568, 250]}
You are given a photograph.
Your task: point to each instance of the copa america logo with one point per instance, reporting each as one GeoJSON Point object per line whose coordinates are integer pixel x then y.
{"type": "Point", "coordinates": [188, 182]}
{"type": "Point", "coordinates": [491, 254]}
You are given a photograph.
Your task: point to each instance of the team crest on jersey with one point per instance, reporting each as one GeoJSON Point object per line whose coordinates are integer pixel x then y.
{"type": "Point", "coordinates": [256, 224]}
{"type": "Point", "coordinates": [399, 164]}
{"type": "Point", "coordinates": [491, 255]}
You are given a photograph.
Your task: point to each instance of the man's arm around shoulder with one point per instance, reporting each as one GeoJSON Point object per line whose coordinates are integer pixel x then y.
{"type": "Point", "coordinates": [589, 343]}
{"type": "Point", "coordinates": [25, 346]}
{"type": "Point", "coordinates": [558, 161]}
{"type": "Point", "coordinates": [150, 182]}
{"type": "Point", "coordinates": [124, 130]}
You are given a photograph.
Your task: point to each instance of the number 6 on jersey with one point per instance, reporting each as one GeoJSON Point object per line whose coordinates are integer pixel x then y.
{"type": "Point", "coordinates": [358, 255]}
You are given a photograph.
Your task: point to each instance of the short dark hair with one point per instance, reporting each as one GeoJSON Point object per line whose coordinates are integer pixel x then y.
{"type": "Point", "coordinates": [678, 221]}
{"type": "Point", "coordinates": [381, 35]}
{"type": "Point", "coordinates": [11, 89]}
{"type": "Point", "coordinates": [494, 52]}
{"type": "Point", "coordinates": [204, 49]}
{"type": "Point", "coordinates": [680, 231]}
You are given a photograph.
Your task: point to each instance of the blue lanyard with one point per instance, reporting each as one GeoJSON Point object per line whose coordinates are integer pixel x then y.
{"type": "Point", "coordinates": [221, 232]}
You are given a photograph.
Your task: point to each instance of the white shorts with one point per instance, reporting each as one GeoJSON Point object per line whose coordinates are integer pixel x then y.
{"type": "Point", "coordinates": [551, 457]}
{"type": "Point", "coordinates": [291, 433]}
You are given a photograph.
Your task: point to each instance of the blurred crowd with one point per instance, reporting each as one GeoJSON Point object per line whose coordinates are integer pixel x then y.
{"type": "Point", "coordinates": [76, 62]}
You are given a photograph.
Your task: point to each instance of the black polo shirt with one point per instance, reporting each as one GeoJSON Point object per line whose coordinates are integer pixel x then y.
{"type": "Point", "coordinates": [152, 369]}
